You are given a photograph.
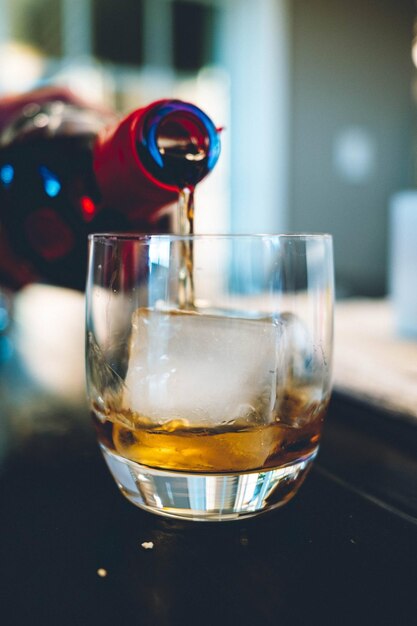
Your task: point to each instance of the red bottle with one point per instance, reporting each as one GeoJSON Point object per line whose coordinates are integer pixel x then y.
{"type": "Point", "coordinates": [67, 170]}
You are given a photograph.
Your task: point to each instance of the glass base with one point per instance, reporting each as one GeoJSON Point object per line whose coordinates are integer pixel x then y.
{"type": "Point", "coordinates": [207, 497]}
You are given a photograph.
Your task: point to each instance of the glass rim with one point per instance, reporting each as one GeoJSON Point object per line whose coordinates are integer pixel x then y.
{"type": "Point", "coordinates": [145, 237]}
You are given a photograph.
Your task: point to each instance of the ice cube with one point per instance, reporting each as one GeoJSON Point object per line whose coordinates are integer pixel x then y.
{"type": "Point", "coordinates": [203, 368]}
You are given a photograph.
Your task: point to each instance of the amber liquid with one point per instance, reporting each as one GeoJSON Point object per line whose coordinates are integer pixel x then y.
{"type": "Point", "coordinates": [234, 447]}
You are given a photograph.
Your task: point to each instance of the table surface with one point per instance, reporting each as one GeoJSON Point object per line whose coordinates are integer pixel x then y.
{"type": "Point", "coordinates": [342, 552]}
{"type": "Point", "coordinates": [372, 361]}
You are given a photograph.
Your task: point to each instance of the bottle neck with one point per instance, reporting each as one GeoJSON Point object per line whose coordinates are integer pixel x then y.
{"type": "Point", "coordinates": [124, 181]}
{"type": "Point", "coordinates": [145, 161]}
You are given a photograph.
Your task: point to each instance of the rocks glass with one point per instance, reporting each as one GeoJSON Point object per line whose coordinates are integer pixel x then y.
{"type": "Point", "coordinates": [209, 367]}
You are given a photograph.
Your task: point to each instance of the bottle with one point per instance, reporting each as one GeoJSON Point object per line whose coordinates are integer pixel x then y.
{"type": "Point", "coordinates": [67, 169]}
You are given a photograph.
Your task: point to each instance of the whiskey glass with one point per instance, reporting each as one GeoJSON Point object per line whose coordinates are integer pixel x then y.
{"type": "Point", "coordinates": [209, 367]}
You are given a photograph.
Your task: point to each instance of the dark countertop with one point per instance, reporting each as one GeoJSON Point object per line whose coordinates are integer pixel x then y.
{"type": "Point", "coordinates": [342, 552]}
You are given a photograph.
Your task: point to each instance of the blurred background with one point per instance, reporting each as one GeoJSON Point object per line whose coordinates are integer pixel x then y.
{"type": "Point", "coordinates": [317, 98]}
{"type": "Point", "coordinates": [318, 101]}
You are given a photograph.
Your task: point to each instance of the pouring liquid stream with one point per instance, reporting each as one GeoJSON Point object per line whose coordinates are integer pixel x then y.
{"type": "Point", "coordinates": [186, 160]}
{"type": "Point", "coordinates": [186, 227]}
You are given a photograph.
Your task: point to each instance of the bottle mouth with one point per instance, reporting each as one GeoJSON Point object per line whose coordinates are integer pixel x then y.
{"type": "Point", "coordinates": [177, 143]}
